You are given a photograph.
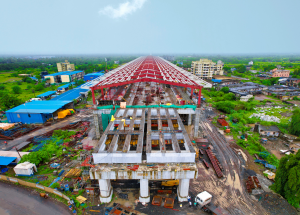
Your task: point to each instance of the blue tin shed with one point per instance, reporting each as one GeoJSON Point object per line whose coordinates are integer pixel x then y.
{"type": "Point", "coordinates": [91, 76]}
{"type": "Point", "coordinates": [35, 111]}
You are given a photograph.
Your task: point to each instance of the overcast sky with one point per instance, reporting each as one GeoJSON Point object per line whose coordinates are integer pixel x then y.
{"type": "Point", "coordinates": [149, 26]}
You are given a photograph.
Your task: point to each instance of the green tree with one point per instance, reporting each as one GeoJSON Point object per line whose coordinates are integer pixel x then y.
{"type": "Point", "coordinates": [2, 87]}
{"type": "Point", "coordinates": [240, 69]}
{"type": "Point", "coordinates": [287, 179]}
{"type": "Point", "coordinates": [225, 89]}
{"type": "Point", "coordinates": [295, 122]}
{"type": "Point", "coordinates": [225, 106]}
{"type": "Point", "coordinates": [39, 87]}
{"type": "Point", "coordinates": [14, 74]}
{"type": "Point", "coordinates": [8, 101]}
{"type": "Point", "coordinates": [17, 90]}
{"type": "Point", "coordinates": [79, 82]}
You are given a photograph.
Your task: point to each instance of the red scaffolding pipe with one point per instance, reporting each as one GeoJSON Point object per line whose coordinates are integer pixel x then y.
{"type": "Point", "coordinates": [148, 69]}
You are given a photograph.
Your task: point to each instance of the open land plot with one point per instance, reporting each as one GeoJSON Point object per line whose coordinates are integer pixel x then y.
{"type": "Point", "coordinates": [6, 77]}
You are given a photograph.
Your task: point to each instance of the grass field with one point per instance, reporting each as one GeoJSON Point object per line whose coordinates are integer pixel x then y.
{"type": "Point", "coordinates": [28, 94]}
{"type": "Point", "coordinates": [5, 77]}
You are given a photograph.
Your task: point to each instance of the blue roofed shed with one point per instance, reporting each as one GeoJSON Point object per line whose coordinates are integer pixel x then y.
{"type": "Point", "coordinates": [4, 161]}
{"type": "Point", "coordinates": [35, 111]}
{"type": "Point", "coordinates": [216, 80]}
{"type": "Point", "coordinates": [91, 76]}
{"type": "Point", "coordinates": [64, 87]}
{"type": "Point", "coordinates": [46, 94]}
{"type": "Point", "coordinates": [71, 95]}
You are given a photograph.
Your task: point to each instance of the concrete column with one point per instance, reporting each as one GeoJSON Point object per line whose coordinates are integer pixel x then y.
{"type": "Point", "coordinates": [190, 119]}
{"type": "Point", "coordinates": [197, 121]}
{"type": "Point", "coordinates": [106, 190]}
{"type": "Point", "coordinates": [100, 124]}
{"type": "Point", "coordinates": [183, 190]}
{"type": "Point", "coordinates": [97, 128]}
{"type": "Point", "coordinates": [144, 191]}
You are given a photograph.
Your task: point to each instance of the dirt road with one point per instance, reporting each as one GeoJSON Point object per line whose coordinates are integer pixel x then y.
{"type": "Point", "coordinates": [16, 200]}
{"type": "Point", "coordinates": [229, 192]}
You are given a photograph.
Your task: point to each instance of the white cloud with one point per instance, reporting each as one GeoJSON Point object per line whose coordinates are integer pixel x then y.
{"type": "Point", "coordinates": [123, 9]}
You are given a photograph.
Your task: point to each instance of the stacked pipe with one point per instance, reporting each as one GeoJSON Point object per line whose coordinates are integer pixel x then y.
{"type": "Point", "coordinates": [214, 162]}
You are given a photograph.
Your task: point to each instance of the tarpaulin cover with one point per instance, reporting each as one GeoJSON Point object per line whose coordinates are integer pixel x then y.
{"type": "Point", "coordinates": [6, 126]}
{"type": "Point", "coordinates": [106, 118]}
{"type": "Point", "coordinates": [6, 160]}
{"type": "Point", "coordinates": [150, 106]}
{"type": "Point", "coordinates": [62, 114]}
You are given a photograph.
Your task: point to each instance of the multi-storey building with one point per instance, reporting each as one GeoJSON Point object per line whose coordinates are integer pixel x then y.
{"type": "Point", "coordinates": [205, 68]}
{"type": "Point", "coordinates": [65, 66]}
{"type": "Point", "coordinates": [64, 77]}
{"type": "Point", "coordinates": [280, 73]}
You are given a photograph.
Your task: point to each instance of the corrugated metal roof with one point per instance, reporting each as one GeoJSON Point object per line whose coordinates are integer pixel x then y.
{"type": "Point", "coordinates": [6, 160]}
{"type": "Point", "coordinates": [96, 73]}
{"type": "Point", "coordinates": [39, 107]}
{"type": "Point", "coordinates": [65, 86]}
{"type": "Point", "coordinates": [65, 73]}
{"type": "Point", "coordinates": [46, 94]}
{"type": "Point", "coordinates": [70, 95]}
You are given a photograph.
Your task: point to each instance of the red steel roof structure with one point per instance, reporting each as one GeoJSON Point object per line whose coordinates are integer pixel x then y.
{"type": "Point", "coordinates": [150, 69]}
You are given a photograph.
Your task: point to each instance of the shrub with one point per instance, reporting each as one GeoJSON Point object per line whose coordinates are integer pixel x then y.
{"type": "Point", "coordinates": [17, 90]}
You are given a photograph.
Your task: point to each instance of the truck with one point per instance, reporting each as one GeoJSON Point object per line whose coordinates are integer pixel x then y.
{"type": "Point", "coordinates": [204, 201]}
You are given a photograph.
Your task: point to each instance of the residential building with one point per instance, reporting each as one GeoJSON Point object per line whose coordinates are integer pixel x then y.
{"type": "Point", "coordinates": [64, 77]}
{"type": "Point", "coordinates": [247, 88]}
{"type": "Point", "coordinates": [283, 92]}
{"type": "Point", "coordinates": [220, 62]}
{"type": "Point", "coordinates": [65, 66]}
{"type": "Point", "coordinates": [205, 68]}
{"type": "Point", "coordinates": [250, 63]}
{"type": "Point", "coordinates": [293, 82]}
{"type": "Point", "coordinates": [280, 73]}
{"type": "Point", "coordinates": [117, 62]}
{"type": "Point", "coordinates": [267, 130]}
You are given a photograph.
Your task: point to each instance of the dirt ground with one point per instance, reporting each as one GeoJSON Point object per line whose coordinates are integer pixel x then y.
{"type": "Point", "coordinates": [274, 146]}
{"type": "Point", "coordinates": [295, 102]}
{"type": "Point", "coordinates": [262, 97]}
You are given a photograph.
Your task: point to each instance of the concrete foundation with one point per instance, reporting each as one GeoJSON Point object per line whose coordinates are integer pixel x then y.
{"type": "Point", "coordinates": [106, 190]}
{"type": "Point", "coordinates": [144, 191]}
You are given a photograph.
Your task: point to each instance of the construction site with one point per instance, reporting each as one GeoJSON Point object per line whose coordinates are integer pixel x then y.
{"type": "Point", "coordinates": [146, 146]}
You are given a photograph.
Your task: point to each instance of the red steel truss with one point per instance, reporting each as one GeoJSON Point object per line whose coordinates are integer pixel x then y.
{"type": "Point", "coordinates": [148, 69]}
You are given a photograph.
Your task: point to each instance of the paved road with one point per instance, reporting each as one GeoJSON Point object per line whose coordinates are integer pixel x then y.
{"type": "Point", "coordinates": [16, 200]}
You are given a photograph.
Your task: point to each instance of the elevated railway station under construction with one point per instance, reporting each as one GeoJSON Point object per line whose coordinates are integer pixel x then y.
{"type": "Point", "coordinates": [146, 139]}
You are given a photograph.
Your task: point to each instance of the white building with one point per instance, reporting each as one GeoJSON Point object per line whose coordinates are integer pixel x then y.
{"type": "Point", "coordinates": [250, 63]}
{"type": "Point", "coordinates": [25, 169]}
{"type": "Point", "coordinates": [205, 68]}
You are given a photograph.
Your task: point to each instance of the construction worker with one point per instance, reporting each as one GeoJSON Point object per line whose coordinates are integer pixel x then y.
{"type": "Point", "coordinates": [5, 142]}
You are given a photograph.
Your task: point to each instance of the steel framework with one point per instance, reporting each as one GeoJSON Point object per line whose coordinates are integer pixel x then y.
{"type": "Point", "coordinates": [151, 69]}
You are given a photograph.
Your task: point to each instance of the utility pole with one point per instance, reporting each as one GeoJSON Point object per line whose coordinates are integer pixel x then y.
{"type": "Point", "coordinates": [18, 152]}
